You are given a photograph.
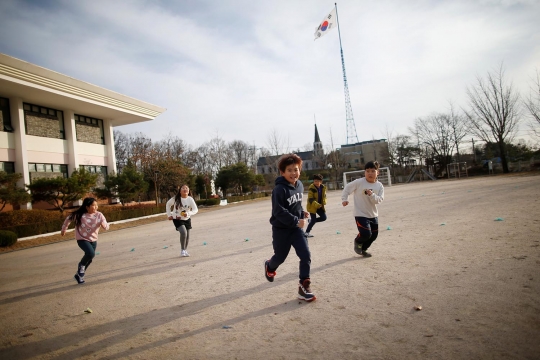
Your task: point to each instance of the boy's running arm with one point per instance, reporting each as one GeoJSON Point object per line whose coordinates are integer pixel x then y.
{"type": "Point", "coordinates": [347, 190]}
{"type": "Point", "coordinates": [313, 195]}
{"type": "Point", "coordinates": [377, 198]}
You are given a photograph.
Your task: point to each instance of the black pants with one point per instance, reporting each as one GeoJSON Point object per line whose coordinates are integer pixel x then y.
{"type": "Point", "coordinates": [282, 240]}
{"type": "Point", "coordinates": [368, 230]}
{"type": "Point", "coordinates": [315, 219]}
{"type": "Point", "coordinates": [89, 249]}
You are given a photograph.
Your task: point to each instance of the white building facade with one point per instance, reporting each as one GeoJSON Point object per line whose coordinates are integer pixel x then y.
{"type": "Point", "coordinates": [52, 124]}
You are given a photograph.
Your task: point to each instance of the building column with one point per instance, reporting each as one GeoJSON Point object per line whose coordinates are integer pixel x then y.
{"type": "Point", "coordinates": [21, 154]}
{"type": "Point", "coordinates": [108, 136]}
{"type": "Point", "coordinates": [71, 138]}
{"type": "Point", "coordinates": [109, 146]}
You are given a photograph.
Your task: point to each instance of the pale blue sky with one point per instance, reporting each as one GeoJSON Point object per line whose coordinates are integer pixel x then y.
{"type": "Point", "coordinates": [240, 69]}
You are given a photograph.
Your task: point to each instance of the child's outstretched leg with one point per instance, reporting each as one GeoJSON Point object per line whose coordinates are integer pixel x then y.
{"type": "Point", "coordinates": [281, 241]}
{"type": "Point", "coordinates": [184, 239]}
{"type": "Point", "coordinates": [301, 247]}
{"type": "Point", "coordinates": [374, 225]}
{"type": "Point", "coordinates": [89, 249]}
{"type": "Point", "coordinates": [364, 236]}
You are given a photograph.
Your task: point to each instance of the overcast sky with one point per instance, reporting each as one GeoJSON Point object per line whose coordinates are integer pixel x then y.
{"type": "Point", "coordinates": [243, 69]}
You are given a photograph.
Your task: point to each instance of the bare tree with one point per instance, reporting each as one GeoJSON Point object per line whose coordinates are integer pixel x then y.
{"type": "Point", "coordinates": [532, 103]}
{"type": "Point", "coordinates": [494, 111]}
{"type": "Point", "coordinates": [459, 126]}
{"type": "Point", "coordinates": [121, 149]}
{"type": "Point", "coordinates": [277, 143]}
{"type": "Point", "coordinates": [435, 133]}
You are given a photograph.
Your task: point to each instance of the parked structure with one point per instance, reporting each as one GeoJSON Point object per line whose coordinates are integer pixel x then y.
{"type": "Point", "coordinates": [52, 124]}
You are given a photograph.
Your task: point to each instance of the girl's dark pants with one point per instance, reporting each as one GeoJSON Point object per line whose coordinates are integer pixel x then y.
{"type": "Point", "coordinates": [89, 249]}
{"type": "Point", "coordinates": [315, 219]}
{"type": "Point", "coordinates": [368, 230]}
{"type": "Point", "coordinates": [282, 240]}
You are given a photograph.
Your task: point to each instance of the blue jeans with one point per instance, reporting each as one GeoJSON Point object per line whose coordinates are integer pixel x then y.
{"type": "Point", "coordinates": [315, 219]}
{"type": "Point", "coordinates": [282, 240]}
{"type": "Point", "coordinates": [89, 249]}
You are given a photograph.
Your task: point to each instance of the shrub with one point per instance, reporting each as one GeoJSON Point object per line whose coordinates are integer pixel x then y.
{"type": "Point", "coordinates": [7, 238]}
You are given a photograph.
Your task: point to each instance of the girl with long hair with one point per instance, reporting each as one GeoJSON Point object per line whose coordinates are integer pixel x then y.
{"type": "Point", "coordinates": [180, 208]}
{"type": "Point", "coordinates": [87, 223]}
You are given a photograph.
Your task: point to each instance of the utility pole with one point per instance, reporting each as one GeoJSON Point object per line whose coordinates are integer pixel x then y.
{"type": "Point", "coordinates": [156, 172]}
{"type": "Point", "coordinates": [473, 151]}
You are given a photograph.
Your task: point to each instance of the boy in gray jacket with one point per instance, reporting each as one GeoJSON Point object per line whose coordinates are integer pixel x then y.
{"type": "Point", "coordinates": [367, 192]}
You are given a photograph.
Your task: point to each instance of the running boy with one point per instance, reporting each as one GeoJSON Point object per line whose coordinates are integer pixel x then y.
{"type": "Point", "coordinates": [368, 192]}
{"type": "Point", "coordinates": [287, 222]}
{"type": "Point", "coordinates": [315, 202]}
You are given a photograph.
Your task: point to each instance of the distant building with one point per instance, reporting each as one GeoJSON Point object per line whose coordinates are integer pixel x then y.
{"type": "Point", "coordinates": [311, 160]}
{"type": "Point", "coordinates": [52, 124]}
{"type": "Point", "coordinates": [356, 155]}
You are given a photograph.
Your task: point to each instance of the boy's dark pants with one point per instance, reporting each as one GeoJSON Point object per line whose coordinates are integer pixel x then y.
{"type": "Point", "coordinates": [89, 249]}
{"type": "Point", "coordinates": [315, 219]}
{"type": "Point", "coordinates": [282, 240]}
{"type": "Point", "coordinates": [368, 230]}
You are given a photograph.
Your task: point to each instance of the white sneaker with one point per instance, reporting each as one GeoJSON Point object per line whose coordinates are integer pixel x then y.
{"type": "Point", "coordinates": [183, 253]}
{"type": "Point", "coordinates": [186, 253]}
{"type": "Point", "coordinates": [308, 235]}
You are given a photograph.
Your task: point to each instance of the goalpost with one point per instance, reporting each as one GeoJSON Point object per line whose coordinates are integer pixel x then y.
{"type": "Point", "coordinates": [384, 176]}
{"type": "Point", "coordinates": [457, 170]}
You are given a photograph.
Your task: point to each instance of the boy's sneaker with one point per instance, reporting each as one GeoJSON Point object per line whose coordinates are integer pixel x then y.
{"type": "Point", "coordinates": [304, 290]}
{"type": "Point", "coordinates": [308, 235]}
{"type": "Point", "coordinates": [365, 253]}
{"type": "Point", "coordinates": [183, 253]}
{"type": "Point", "coordinates": [186, 253]}
{"type": "Point", "coordinates": [268, 274]}
{"type": "Point", "coordinates": [79, 279]}
{"type": "Point", "coordinates": [81, 270]}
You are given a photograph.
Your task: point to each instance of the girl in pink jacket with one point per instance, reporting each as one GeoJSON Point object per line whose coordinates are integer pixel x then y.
{"type": "Point", "coordinates": [87, 223]}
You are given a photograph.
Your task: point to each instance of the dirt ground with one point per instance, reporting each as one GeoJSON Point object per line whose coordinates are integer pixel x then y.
{"type": "Point", "coordinates": [440, 248]}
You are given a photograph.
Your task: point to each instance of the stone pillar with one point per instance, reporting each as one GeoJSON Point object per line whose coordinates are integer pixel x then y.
{"type": "Point", "coordinates": [108, 136]}
{"type": "Point", "coordinates": [21, 153]}
{"type": "Point", "coordinates": [71, 138]}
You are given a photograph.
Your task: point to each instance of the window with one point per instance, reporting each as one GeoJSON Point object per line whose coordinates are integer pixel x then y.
{"type": "Point", "coordinates": [5, 115]}
{"type": "Point", "coordinates": [8, 167]}
{"type": "Point", "coordinates": [89, 129]}
{"type": "Point", "coordinates": [43, 121]}
{"type": "Point", "coordinates": [47, 170]}
{"type": "Point", "coordinates": [95, 169]}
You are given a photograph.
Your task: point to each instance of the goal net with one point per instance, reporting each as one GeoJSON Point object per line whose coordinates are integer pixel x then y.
{"type": "Point", "coordinates": [384, 176]}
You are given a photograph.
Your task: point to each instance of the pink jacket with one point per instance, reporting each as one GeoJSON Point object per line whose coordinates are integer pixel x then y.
{"type": "Point", "coordinates": [89, 228]}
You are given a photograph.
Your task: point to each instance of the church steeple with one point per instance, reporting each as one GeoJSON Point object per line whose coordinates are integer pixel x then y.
{"type": "Point", "coordinates": [317, 144]}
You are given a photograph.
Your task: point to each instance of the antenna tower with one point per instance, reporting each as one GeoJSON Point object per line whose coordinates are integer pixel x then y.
{"type": "Point", "coordinates": [352, 137]}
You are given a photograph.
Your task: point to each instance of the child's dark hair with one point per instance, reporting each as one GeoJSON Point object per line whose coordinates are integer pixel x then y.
{"type": "Point", "coordinates": [77, 214]}
{"type": "Point", "coordinates": [289, 159]}
{"type": "Point", "coordinates": [317, 177]}
{"type": "Point", "coordinates": [372, 165]}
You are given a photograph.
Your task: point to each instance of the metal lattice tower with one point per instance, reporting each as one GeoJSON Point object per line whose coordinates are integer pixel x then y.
{"type": "Point", "coordinates": [352, 137]}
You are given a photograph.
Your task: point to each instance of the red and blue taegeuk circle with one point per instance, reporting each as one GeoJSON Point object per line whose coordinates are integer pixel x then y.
{"type": "Point", "coordinates": [324, 25]}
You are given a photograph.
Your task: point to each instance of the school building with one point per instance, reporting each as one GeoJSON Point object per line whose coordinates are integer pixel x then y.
{"type": "Point", "coordinates": [52, 124]}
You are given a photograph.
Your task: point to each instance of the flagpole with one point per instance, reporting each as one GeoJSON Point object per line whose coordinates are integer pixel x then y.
{"type": "Point", "coordinates": [349, 118]}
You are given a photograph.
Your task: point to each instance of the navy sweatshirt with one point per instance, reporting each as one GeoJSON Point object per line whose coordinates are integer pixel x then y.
{"type": "Point", "coordinates": [287, 203]}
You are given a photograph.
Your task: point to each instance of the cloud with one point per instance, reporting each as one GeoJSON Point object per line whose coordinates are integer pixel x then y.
{"type": "Point", "coordinates": [241, 68]}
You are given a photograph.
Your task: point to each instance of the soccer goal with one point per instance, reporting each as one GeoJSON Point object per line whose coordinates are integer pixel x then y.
{"type": "Point", "coordinates": [457, 170]}
{"type": "Point", "coordinates": [384, 176]}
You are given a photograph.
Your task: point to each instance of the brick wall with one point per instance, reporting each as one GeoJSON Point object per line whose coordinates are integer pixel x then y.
{"type": "Point", "coordinates": [88, 133]}
{"type": "Point", "coordinates": [43, 126]}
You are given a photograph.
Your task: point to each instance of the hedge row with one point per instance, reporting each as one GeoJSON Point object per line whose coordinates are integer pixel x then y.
{"type": "Point", "coordinates": [44, 225]}
{"type": "Point", "coordinates": [36, 222]}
